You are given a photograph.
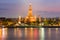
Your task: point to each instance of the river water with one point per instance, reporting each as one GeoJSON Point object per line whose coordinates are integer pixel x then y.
{"type": "Point", "coordinates": [29, 33]}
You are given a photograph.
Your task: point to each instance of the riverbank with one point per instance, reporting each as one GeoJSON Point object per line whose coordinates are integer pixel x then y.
{"type": "Point", "coordinates": [30, 27]}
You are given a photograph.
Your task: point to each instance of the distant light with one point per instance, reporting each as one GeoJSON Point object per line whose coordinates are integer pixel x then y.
{"type": "Point", "coordinates": [19, 22]}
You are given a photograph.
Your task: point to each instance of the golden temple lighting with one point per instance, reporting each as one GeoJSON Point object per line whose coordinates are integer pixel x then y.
{"type": "Point", "coordinates": [30, 16]}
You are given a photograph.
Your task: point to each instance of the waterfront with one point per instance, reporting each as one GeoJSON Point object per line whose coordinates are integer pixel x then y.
{"type": "Point", "coordinates": [29, 33]}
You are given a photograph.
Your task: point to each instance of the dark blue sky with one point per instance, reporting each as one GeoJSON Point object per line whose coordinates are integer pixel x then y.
{"type": "Point", "coordinates": [15, 8]}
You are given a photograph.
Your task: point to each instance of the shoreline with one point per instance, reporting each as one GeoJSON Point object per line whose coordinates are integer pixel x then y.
{"type": "Point", "coordinates": [30, 27]}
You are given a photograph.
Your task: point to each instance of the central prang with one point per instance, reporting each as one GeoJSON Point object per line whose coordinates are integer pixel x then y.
{"type": "Point", "coordinates": [30, 18]}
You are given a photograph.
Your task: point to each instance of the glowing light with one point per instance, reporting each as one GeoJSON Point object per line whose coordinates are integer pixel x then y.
{"type": "Point", "coordinates": [56, 29]}
{"type": "Point", "coordinates": [31, 32]}
{"type": "Point", "coordinates": [4, 33]}
{"type": "Point", "coordinates": [30, 16]}
{"type": "Point", "coordinates": [19, 20]}
{"type": "Point", "coordinates": [35, 33]}
{"type": "Point", "coordinates": [57, 33]}
{"type": "Point", "coordinates": [19, 17]}
{"type": "Point", "coordinates": [25, 32]}
{"type": "Point", "coordinates": [0, 33]}
{"type": "Point", "coordinates": [42, 33]}
{"type": "Point", "coordinates": [19, 32]}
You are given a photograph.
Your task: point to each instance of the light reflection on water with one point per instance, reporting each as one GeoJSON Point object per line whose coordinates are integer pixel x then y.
{"type": "Point", "coordinates": [57, 33]}
{"type": "Point", "coordinates": [4, 33]}
{"type": "Point", "coordinates": [36, 33]}
{"type": "Point", "coordinates": [29, 33]}
{"type": "Point", "coordinates": [25, 32]}
{"type": "Point", "coordinates": [49, 32]}
{"type": "Point", "coordinates": [42, 33]}
{"type": "Point", "coordinates": [0, 34]}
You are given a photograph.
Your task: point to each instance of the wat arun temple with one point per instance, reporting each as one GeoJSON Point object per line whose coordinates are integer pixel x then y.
{"type": "Point", "coordinates": [30, 17]}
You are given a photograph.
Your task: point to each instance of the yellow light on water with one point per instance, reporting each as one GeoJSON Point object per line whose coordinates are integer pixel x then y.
{"type": "Point", "coordinates": [31, 32]}
{"type": "Point", "coordinates": [42, 33]}
{"type": "Point", "coordinates": [0, 32]}
{"type": "Point", "coordinates": [4, 33]}
{"type": "Point", "coordinates": [25, 32]}
{"type": "Point", "coordinates": [57, 31]}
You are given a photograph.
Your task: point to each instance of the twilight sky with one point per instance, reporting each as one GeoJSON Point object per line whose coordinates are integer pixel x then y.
{"type": "Point", "coordinates": [15, 8]}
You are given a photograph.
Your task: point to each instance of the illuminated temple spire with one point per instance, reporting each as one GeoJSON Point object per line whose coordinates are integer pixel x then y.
{"type": "Point", "coordinates": [30, 17]}
{"type": "Point", "coordinates": [30, 10]}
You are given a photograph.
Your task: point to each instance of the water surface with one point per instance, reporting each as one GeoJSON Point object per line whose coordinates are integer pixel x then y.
{"type": "Point", "coordinates": [29, 33]}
